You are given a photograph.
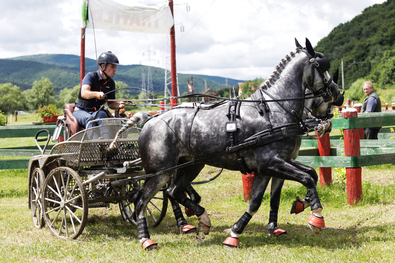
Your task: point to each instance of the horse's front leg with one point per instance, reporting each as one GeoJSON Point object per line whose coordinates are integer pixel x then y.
{"type": "Point", "coordinates": [258, 189]}
{"type": "Point", "coordinates": [300, 204]}
{"type": "Point", "coordinates": [194, 197]}
{"type": "Point", "coordinates": [275, 195]}
{"type": "Point", "coordinates": [316, 221]}
{"type": "Point", "coordinates": [291, 171]}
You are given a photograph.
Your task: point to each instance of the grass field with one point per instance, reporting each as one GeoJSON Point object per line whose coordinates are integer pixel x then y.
{"type": "Point", "coordinates": [361, 233]}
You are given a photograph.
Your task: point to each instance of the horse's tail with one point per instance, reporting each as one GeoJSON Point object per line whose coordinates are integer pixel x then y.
{"type": "Point", "coordinates": [140, 116]}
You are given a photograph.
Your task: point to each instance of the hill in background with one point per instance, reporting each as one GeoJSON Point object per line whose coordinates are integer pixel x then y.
{"type": "Point", "coordinates": [64, 72]}
{"type": "Point", "coordinates": [366, 46]}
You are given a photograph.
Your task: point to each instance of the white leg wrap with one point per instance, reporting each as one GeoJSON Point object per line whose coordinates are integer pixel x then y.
{"type": "Point", "coordinates": [234, 234]}
{"type": "Point", "coordinates": [317, 212]}
{"type": "Point", "coordinates": [143, 240]}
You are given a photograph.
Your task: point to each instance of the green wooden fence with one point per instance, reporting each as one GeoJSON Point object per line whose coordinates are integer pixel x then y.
{"type": "Point", "coordinates": [373, 152]}
{"type": "Point", "coordinates": [27, 151]}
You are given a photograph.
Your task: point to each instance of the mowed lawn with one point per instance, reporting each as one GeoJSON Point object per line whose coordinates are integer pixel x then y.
{"type": "Point", "coordinates": [361, 233]}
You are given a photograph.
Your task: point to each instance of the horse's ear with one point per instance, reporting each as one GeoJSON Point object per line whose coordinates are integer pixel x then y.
{"type": "Point", "coordinates": [297, 44]}
{"type": "Point", "coordinates": [310, 48]}
{"type": "Point", "coordinates": [336, 76]}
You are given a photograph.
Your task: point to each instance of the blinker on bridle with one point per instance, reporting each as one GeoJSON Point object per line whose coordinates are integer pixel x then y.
{"type": "Point", "coordinates": [323, 65]}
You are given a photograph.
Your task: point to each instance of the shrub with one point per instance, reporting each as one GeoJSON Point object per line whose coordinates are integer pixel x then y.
{"type": "Point", "coordinates": [3, 121]}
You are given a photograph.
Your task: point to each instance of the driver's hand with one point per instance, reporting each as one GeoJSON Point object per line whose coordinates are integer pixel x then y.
{"type": "Point", "coordinates": [121, 104]}
{"type": "Point", "coordinates": [100, 95]}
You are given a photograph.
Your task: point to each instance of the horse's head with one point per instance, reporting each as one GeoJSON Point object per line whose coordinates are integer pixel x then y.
{"type": "Point", "coordinates": [318, 107]}
{"type": "Point", "coordinates": [323, 85]}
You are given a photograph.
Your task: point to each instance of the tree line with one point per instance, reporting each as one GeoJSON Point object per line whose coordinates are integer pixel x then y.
{"type": "Point", "coordinates": [42, 93]}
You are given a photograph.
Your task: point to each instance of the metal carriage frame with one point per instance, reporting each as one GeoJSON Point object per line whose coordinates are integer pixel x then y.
{"type": "Point", "coordinates": [80, 173]}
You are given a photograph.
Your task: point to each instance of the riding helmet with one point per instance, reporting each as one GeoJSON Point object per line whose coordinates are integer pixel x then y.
{"type": "Point", "coordinates": [107, 58]}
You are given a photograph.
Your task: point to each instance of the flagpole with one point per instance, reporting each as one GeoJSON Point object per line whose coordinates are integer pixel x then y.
{"type": "Point", "coordinates": [173, 102]}
{"type": "Point", "coordinates": [83, 30]}
{"type": "Point", "coordinates": [82, 57]}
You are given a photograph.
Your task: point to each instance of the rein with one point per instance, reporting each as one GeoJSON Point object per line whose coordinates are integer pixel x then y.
{"type": "Point", "coordinates": [198, 95]}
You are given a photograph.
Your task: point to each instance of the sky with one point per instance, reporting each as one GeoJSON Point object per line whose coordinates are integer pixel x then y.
{"type": "Point", "coordinates": [241, 40]}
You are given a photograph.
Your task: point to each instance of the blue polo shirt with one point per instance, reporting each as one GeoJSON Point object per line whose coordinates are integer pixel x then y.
{"type": "Point", "coordinates": [97, 83]}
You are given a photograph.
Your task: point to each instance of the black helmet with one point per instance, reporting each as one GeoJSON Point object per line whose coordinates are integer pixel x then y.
{"type": "Point", "coordinates": [107, 58]}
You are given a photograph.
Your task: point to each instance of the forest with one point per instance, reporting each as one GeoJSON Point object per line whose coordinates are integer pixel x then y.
{"type": "Point", "coordinates": [366, 46]}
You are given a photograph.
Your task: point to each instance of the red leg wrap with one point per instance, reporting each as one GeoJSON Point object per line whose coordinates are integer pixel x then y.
{"type": "Point", "coordinates": [316, 221]}
{"type": "Point", "coordinates": [187, 229]}
{"type": "Point", "coordinates": [149, 245]}
{"type": "Point", "coordinates": [278, 232]}
{"type": "Point", "coordinates": [231, 242]}
{"type": "Point", "coordinates": [297, 207]}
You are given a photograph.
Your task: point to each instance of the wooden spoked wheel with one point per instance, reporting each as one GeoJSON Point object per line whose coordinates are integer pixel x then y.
{"type": "Point", "coordinates": [36, 185]}
{"type": "Point", "coordinates": [65, 203]}
{"type": "Point", "coordinates": [156, 208]}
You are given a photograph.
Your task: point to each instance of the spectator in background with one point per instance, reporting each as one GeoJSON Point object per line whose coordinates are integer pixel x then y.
{"type": "Point", "coordinates": [371, 103]}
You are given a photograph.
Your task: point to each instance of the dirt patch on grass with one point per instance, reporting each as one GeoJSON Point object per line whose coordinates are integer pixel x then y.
{"type": "Point", "coordinates": [379, 174]}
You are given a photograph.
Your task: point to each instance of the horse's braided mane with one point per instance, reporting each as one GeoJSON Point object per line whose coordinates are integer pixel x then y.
{"type": "Point", "coordinates": [278, 69]}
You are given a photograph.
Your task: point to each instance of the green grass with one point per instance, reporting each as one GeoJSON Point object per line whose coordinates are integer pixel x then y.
{"type": "Point", "coordinates": [361, 233]}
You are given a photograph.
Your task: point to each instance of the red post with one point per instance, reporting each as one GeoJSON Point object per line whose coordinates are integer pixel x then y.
{"type": "Point", "coordinates": [324, 149]}
{"type": "Point", "coordinates": [247, 185]}
{"type": "Point", "coordinates": [352, 148]}
{"type": "Point", "coordinates": [173, 102]}
{"type": "Point", "coordinates": [82, 57]}
{"type": "Point", "coordinates": [161, 106]}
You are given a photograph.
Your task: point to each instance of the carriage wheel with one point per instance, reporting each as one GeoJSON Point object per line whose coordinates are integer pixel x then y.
{"type": "Point", "coordinates": [36, 184]}
{"type": "Point", "coordinates": [65, 203]}
{"type": "Point", "coordinates": [156, 208]}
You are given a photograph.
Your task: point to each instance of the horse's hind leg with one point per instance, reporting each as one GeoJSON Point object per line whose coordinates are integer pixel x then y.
{"type": "Point", "coordinates": [259, 186]}
{"type": "Point", "coordinates": [275, 195]}
{"type": "Point", "coordinates": [177, 190]}
{"type": "Point", "coordinates": [150, 188]}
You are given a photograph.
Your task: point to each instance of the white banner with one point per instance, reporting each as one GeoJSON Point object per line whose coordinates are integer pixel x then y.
{"type": "Point", "coordinates": [106, 14]}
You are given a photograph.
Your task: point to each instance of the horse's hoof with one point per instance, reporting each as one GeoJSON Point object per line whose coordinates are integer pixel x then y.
{"type": "Point", "coordinates": [188, 229]}
{"type": "Point", "coordinates": [231, 242]}
{"type": "Point", "coordinates": [316, 223]}
{"type": "Point", "coordinates": [150, 245]}
{"type": "Point", "coordinates": [204, 228]}
{"type": "Point", "coordinates": [188, 212]}
{"type": "Point", "coordinates": [204, 223]}
{"type": "Point", "coordinates": [297, 207]}
{"type": "Point", "coordinates": [278, 232]}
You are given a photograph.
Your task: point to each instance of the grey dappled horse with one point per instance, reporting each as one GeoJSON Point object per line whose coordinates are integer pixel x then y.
{"type": "Point", "coordinates": [263, 137]}
{"type": "Point", "coordinates": [317, 112]}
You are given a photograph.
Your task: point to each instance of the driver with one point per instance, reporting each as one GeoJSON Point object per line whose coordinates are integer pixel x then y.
{"type": "Point", "coordinates": [95, 88]}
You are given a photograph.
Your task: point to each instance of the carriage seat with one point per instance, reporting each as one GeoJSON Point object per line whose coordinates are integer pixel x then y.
{"type": "Point", "coordinates": [72, 121]}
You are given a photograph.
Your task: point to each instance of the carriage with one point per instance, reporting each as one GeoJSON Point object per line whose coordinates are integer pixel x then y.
{"type": "Point", "coordinates": [79, 173]}
{"type": "Point", "coordinates": [174, 148]}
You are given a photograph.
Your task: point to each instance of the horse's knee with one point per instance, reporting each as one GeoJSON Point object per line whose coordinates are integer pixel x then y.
{"type": "Point", "coordinates": [314, 175]}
